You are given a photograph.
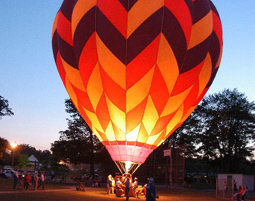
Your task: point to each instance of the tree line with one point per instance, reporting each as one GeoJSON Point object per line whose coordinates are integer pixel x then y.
{"type": "Point", "coordinates": [218, 136]}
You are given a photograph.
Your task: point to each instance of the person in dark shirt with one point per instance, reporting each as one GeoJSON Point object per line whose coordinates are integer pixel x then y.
{"type": "Point", "coordinates": [150, 191]}
{"type": "Point", "coordinates": [127, 183]}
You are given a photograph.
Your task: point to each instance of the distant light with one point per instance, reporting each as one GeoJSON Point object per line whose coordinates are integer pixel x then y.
{"type": "Point", "coordinates": [13, 145]}
{"type": "Point", "coordinates": [61, 162]}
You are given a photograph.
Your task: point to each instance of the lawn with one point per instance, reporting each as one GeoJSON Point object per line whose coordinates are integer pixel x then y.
{"type": "Point", "coordinates": [64, 192]}
{"type": "Point", "coordinates": [7, 184]}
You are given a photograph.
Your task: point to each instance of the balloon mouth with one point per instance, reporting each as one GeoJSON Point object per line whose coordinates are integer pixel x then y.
{"type": "Point", "coordinates": [127, 167]}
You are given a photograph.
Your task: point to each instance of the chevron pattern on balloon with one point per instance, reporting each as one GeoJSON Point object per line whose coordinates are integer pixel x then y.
{"type": "Point", "coordinates": [136, 70]}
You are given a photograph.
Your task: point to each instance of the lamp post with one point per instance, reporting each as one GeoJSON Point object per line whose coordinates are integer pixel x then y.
{"type": "Point", "coordinates": [13, 145]}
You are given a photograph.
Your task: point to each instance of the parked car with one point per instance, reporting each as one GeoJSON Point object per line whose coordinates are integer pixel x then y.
{"type": "Point", "coordinates": [7, 174]}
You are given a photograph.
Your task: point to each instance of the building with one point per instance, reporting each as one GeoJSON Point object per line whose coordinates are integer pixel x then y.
{"type": "Point", "coordinates": [33, 161]}
{"type": "Point", "coordinates": [240, 179]}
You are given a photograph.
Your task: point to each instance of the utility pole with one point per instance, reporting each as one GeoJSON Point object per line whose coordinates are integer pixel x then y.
{"type": "Point", "coordinates": [171, 168]}
{"type": "Point", "coordinates": [168, 152]}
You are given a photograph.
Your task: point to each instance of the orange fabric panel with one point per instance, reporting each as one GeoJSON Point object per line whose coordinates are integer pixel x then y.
{"type": "Point", "coordinates": [167, 63]}
{"type": "Point", "coordinates": [83, 99]}
{"type": "Point", "coordinates": [142, 63]}
{"type": "Point", "coordinates": [161, 124]}
{"type": "Point", "coordinates": [159, 89]}
{"type": "Point", "coordinates": [64, 28]}
{"type": "Point", "coordinates": [111, 9]}
{"type": "Point", "coordinates": [160, 138]}
{"type": "Point", "coordinates": [181, 11]}
{"type": "Point", "coordinates": [113, 91]}
{"type": "Point", "coordinates": [134, 117]}
{"type": "Point", "coordinates": [80, 9]}
{"type": "Point", "coordinates": [119, 134]}
{"type": "Point", "coordinates": [217, 28]}
{"type": "Point", "coordinates": [60, 68]}
{"type": "Point", "coordinates": [142, 135]}
{"type": "Point", "coordinates": [201, 30]}
{"type": "Point", "coordinates": [109, 61]}
{"type": "Point", "coordinates": [102, 112]}
{"type": "Point", "coordinates": [140, 12]}
{"type": "Point", "coordinates": [187, 79]}
{"type": "Point", "coordinates": [191, 98]}
{"type": "Point", "coordinates": [54, 27]}
{"type": "Point", "coordinates": [88, 60]}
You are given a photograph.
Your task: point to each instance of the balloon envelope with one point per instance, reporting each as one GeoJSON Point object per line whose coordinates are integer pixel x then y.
{"type": "Point", "coordinates": [136, 69]}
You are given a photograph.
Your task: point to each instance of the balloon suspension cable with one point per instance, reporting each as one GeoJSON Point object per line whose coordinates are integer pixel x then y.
{"type": "Point", "coordinates": [127, 166]}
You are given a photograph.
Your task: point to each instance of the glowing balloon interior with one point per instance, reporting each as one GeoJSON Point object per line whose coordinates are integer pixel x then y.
{"type": "Point", "coordinates": [136, 69]}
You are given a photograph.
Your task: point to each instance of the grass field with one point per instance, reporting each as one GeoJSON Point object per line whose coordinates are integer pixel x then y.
{"type": "Point", "coordinates": [64, 192]}
{"type": "Point", "coordinates": [7, 184]}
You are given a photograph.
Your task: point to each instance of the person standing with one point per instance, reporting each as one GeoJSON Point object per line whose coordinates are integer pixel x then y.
{"type": "Point", "coordinates": [135, 186]}
{"type": "Point", "coordinates": [109, 184]}
{"type": "Point", "coordinates": [127, 183]}
{"type": "Point", "coordinates": [42, 181]}
{"type": "Point", "coordinates": [36, 181]}
{"type": "Point", "coordinates": [20, 181]}
{"type": "Point", "coordinates": [150, 191]}
{"type": "Point", "coordinates": [27, 181]}
{"type": "Point", "coordinates": [113, 185]}
{"type": "Point", "coordinates": [15, 178]}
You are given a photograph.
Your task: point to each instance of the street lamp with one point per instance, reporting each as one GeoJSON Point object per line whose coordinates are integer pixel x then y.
{"type": "Point", "coordinates": [13, 145]}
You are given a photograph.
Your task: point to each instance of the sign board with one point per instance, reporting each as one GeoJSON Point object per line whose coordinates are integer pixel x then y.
{"type": "Point", "coordinates": [167, 152]}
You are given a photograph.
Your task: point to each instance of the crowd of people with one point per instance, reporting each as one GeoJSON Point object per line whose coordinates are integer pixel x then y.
{"type": "Point", "coordinates": [125, 186]}
{"type": "Point", "coordinates": [24, 180]}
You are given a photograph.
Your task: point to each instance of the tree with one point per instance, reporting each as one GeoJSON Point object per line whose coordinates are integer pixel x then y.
{"type": "Point", "coordinates": [4, 108]}
{"type": "Point", "coordinates": [227, 126]}
{"type": "Point", "coordinates": [78, 143]}
{"type": "Point", "coordinates": [23, 160]}
{"type": "Point", "coordinates": [3, 146]}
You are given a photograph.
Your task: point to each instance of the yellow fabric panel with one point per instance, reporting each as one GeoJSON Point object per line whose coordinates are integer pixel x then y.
{"type": "Point", "coordinates": [160, 138]}
{"type": "Point", "coordinates": [102, 135]}
{"type": "Point", "coordinates": [73, 75]}
{"type": "Point", "coordinates": [55, 23]}
{"type": "Point", "coordinates": [71, 92]}
{"type": "Point", "coordinates": [174, 102]}
{"type": "Point", "coordinates": [119, 135]}
{"type": "Point", "coordinates": [143, 135]}
{"type": "Point", "coordinates": [117, 116]}
{"type": "Point", "coordinates": [201, 30]}
{"type": "Point", "coordinates": [186, 115]}
{"type": "Point", "coordinates": [150, 117]}
{"type": "Point", "coordinates": [167, 63]}
{"type": "Point", "coordinates": [152, 139]}
{"type": "Point", "coordinates": [132, 135]}
{"type": "Point", "coordinates": [95, 87]}
{"type": "Point", "coordinates": [140, 12]}
{"type": "Point", "coordinates": [81, 7]}
{"type": "Point", "coordinates": [139, 91]}
{"type": "Point", "coordinates": [205, 74]}
{"type": "Point", "coordinates": [175, 120]}
{"type": "Point", "coordinates": [109, 62]}
{"type": "Point", "coordinates": [110, 133]}
{"type": "Point", "coordinates": [97, 134]}
{"type": "Point", "coordinates": [160, 142]}
{"type": "Point", "coordinates": [94, 120]}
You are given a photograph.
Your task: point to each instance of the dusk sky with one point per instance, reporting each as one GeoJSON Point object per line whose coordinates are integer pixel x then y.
{"type": "Point", "coordinates": [29, 78]}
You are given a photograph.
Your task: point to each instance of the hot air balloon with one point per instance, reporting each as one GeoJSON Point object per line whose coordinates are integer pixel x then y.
{"type": "Point", "coordinates": [136, 69]}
